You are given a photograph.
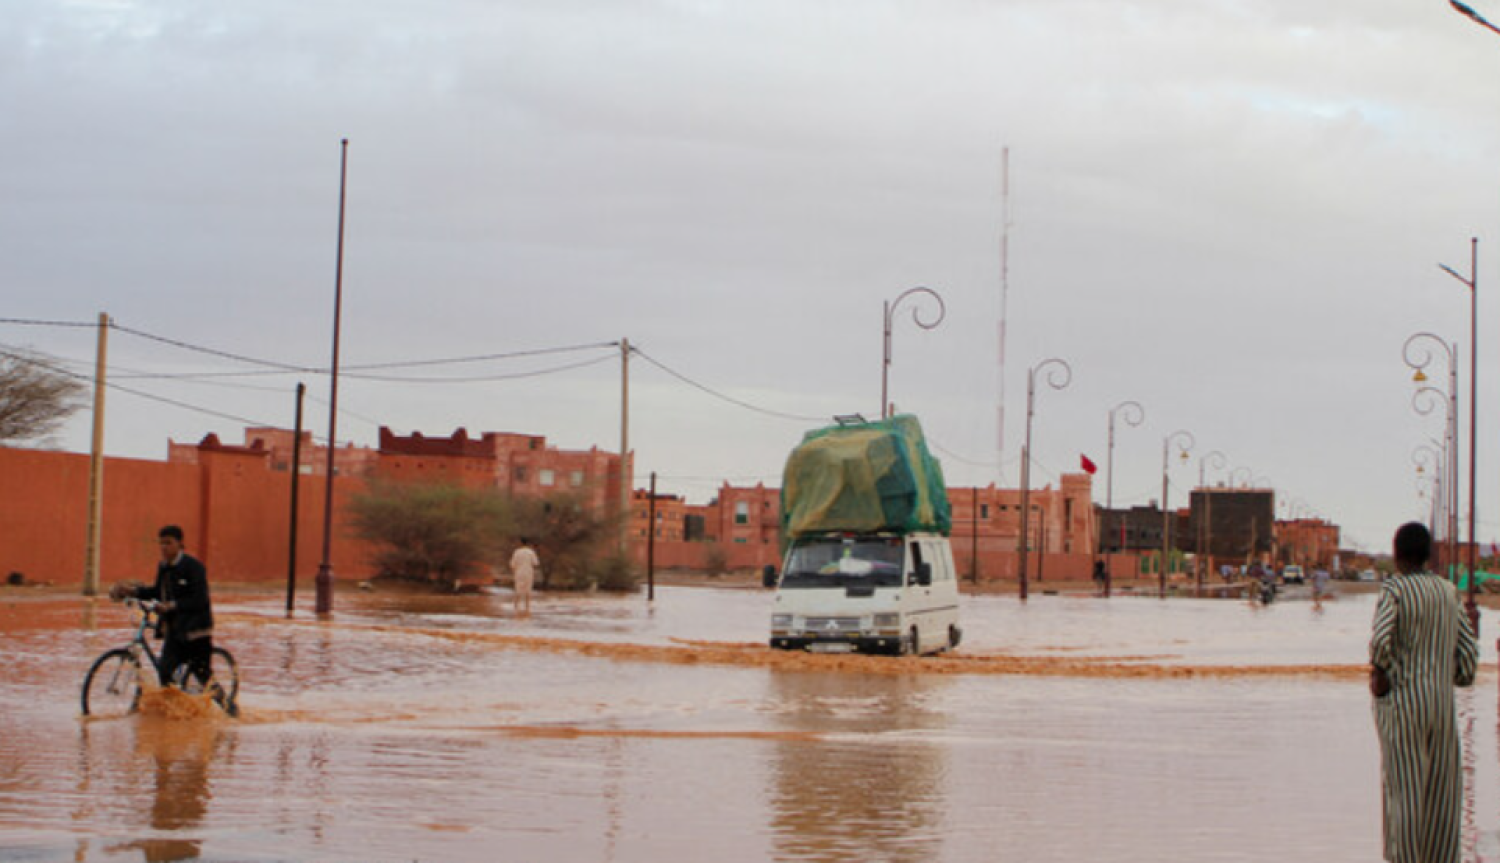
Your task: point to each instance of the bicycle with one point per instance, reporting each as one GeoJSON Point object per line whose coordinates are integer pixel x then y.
{"type": "Point", "coordinates": [114, 680]}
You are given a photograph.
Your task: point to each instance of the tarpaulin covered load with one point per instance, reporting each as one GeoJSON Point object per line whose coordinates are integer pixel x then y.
{"type": "Point", "coordinates": [864, 477]}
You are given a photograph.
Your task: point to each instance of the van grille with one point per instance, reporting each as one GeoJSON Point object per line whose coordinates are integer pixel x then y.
{"type": "Point", "coordinates": [832, 625]}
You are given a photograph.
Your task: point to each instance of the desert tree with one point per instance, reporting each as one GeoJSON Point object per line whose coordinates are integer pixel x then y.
{"type": "Point", "coordinates": [36, 395]}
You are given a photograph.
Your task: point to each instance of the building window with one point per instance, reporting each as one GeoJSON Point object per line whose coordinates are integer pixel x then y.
{"type": "Point", "coordinates": [546, 477]}
{"type": "Point", "coordinates": [576, 478]}
{"type": "Point", "coordinates": [984, 510]}
{"type": "Point", "coordinates": [520, 474]}
{"type": "Point", "coordinates": [741, 512]}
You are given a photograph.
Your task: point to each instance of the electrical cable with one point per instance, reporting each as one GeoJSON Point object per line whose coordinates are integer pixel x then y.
{"type": "Point", "coordinates": [34, 322]}
{"type": "Point", "coordinates": [718, 395]}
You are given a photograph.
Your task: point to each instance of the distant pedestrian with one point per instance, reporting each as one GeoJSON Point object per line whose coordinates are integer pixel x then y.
{"type": "Point", "coordinates": [1420, 649]}
{"type": "Point", "coordinates": [1320, 582]}
{"type": "Point", "coordinates": [523, 566]}
{"type": "Point", "coordinates": [1099, 576]}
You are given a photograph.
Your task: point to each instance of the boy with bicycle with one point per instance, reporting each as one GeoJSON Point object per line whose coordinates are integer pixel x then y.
{"type": "Point", "coordinates": [186, 622]}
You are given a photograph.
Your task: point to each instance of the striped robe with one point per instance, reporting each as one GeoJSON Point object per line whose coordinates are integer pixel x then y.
{"type": "Point", "coordinates": [1423, 643]}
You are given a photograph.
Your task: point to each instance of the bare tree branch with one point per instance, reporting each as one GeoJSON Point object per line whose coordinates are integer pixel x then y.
{"type": "Point", "coordinates": [36, 396]}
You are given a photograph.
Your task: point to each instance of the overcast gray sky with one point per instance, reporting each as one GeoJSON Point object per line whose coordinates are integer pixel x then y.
{"type": "Point", "coordinates": [1228, 211]}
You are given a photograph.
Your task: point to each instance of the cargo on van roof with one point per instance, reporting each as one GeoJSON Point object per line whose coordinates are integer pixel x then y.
{"type": "Point", "coordinates": [864, 477]}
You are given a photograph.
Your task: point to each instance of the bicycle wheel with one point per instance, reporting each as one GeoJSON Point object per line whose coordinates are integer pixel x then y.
{"type": "Point", "coordinates": [113, 684]}
{"type": "Point", "coordinates": [223, 682]}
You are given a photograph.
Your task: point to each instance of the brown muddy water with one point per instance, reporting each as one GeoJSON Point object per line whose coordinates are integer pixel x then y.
{"type": "Point", "coordinates": [442, 728]}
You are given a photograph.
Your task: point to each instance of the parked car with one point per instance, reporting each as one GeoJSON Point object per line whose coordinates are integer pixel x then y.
{"type": "Point", "coordinates": [1368, 575]}
{"type": "Point", "coordinates": [1292, 574]}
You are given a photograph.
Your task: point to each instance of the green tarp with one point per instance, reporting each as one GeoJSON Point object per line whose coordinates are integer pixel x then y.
{"type": "Point", "coordinates": [863, 478]}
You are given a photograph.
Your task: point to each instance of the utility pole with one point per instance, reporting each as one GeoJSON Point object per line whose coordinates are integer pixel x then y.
{"type": "Point", "coordinates": [324, 579]}
{"type": "Point", "coordinates": [974, 540]}
{"type": "Point", "coordinates": [651, 543]}
{"type": "Point", "coordinates": [291, 551]}
{"type": "Point", "coordinates": [625, 473]}
{"type": "Point", "coordinates": [96, 467]}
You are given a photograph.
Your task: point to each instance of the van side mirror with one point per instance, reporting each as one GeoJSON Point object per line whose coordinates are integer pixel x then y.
{"type": "Point", "coordinates": [924, 574]}
{"type": "Point", "coordinates": [768, 576]}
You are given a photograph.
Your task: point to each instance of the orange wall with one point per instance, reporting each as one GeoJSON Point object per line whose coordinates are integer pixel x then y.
{"type": "Point", "coordinates": [233, 511]}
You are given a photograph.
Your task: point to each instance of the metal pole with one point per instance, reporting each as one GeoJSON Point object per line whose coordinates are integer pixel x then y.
{"type": "Point", "coordinates": [1469, 604]}
{"type": "Point", "coordinates": [627, 476]}
{"type": "Point", "coordinates": [890, 314]}
{"type": "Point", "coordinates": [1166, 524]}
{"type": "Point", "coordinates": [1134, 415]}
{"type": "Point", "coordinates": [1024, 539]}
{"type": "Point", "coordinates": [1109, 505]}
{"type": "Point", "coordinates": [651, 542]}
{"type": "Point", "coordinates": [974, 541]}
{"type": "Point", "coordinates": [324, 579]}
{"type": "Point", "coordinates": [291, 550]}
{"type": "Point", "coordinates": [885, 361]}
{"type": "Point", "coordinates": [96, 467]}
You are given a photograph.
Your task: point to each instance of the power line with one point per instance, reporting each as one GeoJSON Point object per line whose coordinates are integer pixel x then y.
{"type": "Point", "coordinates": [34, 322]}
{"type": "Point", "coordinates": [178, 343]}
{"type": "Point", "coordinates": [718, 395]}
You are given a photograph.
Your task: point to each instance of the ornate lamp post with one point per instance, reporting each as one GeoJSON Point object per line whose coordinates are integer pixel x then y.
{"type": "Point", "coordinates": [1418, 352]}
{"type": "Point", "coordinates": [1185, 443]}
{"type": "Point", "coordinates": [1427, 458]}
{"type": "Point", "coordinates": [916, 316]}
{"type": "Point", "coordinates": [1236, 482]}
{"type": "Point", "coordinates": [1134, 415]}
{"type": "Point", "coordinates": [1058, 376]}
{"type": "Point", "coordinates": [1473, 283]}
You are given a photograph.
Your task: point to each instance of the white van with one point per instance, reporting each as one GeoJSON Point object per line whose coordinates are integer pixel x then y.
{"type": "Point", "coordinates": [881, 592]}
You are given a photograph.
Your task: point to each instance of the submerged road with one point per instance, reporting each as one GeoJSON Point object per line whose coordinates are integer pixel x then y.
{"type": "Point", "coordinates": [442, 728]}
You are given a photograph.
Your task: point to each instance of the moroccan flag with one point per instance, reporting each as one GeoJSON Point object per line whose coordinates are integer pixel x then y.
{"type": "Point", "coordinates": [1088, 466]}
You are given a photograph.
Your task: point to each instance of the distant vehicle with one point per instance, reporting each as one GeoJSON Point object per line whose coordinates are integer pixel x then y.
{"type": "Point", "coordinates": [1368, 575]}
{"type": "Point", "coordinates": [1292, 574]}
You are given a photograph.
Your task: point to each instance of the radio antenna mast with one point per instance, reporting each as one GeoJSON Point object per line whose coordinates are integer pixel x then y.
{"type": "Point", "coordinates": [1004, 296]}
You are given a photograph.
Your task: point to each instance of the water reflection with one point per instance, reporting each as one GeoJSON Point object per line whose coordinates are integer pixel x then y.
{"type": "Point", "coordinates": [871, 790]}
{"type": "Point", "coordinates": [159, 763]}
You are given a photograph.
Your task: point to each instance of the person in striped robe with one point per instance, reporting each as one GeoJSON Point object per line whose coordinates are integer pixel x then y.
{"type": "Point", "coordinates": [1421, 648]}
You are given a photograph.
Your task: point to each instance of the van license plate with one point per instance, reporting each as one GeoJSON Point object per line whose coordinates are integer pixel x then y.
{"type": "Point", "coordinates": [831, 647]}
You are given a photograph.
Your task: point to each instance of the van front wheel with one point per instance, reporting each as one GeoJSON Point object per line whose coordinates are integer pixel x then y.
{"type": "Point", "coordinates": [913, 644]}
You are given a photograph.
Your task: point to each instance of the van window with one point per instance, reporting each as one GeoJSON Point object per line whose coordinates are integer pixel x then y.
{"type": "Point", "coordinates": [916, 560]}
{"type": "Point", "coordinates": [840, 561]}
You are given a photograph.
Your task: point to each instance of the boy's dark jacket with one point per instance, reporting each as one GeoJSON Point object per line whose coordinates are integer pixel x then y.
{"type": "Point", "coordinates": [185, 585]}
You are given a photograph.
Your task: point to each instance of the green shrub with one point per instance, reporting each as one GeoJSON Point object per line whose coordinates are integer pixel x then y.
{"type": "Point", "coordinates": [430, 532]}
{"type": "Point", "coordinates": [571, 538]}
{"type": "Point", "coordinates": [615, 572]}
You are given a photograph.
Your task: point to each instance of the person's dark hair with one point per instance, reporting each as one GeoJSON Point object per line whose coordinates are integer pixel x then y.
{"type": "Point", "coordinates": [1413, 543]}
{"type": "Point", "coordinates": [171, 530]}
{"type": "Point", "coordinates": [525, 541]}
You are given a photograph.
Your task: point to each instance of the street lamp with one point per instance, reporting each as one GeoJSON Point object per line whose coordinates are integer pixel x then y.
{"type": "Point", "coordinates": [890, 315]}
{"type": "Point", "coordinates": [1426, 457]}
{"type": "Point", "coordinates": [1473, 282]}
{"type": "Point", "coordinates": [1185, 442]}
{"type": "Point", "coordinates": [1418, 353]}
{"type": "Point", "coordinates": [1477, 18]}
{"type": "Point", "coordinates": [1242, 483]}
{"type": "Point", "coordinates": [1205, 530]}
{"type": "Point", "coordinates": [1058, 376]}
{"type": "Point", "coordinates": [1133, 414]}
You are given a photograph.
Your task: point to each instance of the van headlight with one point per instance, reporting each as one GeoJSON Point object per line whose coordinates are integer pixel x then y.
{"type": "Point", "coordinates": [781, 621]}
{"type": "Point", "coordinates": [888, 621]}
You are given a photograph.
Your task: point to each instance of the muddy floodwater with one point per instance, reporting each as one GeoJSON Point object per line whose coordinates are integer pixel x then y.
{"type": "Point", "coordinates": [603, 729]}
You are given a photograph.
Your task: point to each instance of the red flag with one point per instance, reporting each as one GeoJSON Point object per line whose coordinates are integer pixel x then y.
{"type": "Point", "coordinates": [1088, 466]}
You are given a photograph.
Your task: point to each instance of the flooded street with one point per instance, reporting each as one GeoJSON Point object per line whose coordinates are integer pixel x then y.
{"type": "Point", "coordinates": [442, 728]}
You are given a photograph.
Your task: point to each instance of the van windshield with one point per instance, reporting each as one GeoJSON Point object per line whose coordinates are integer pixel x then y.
{"type": "Point", "coordinates": [843, 561]}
